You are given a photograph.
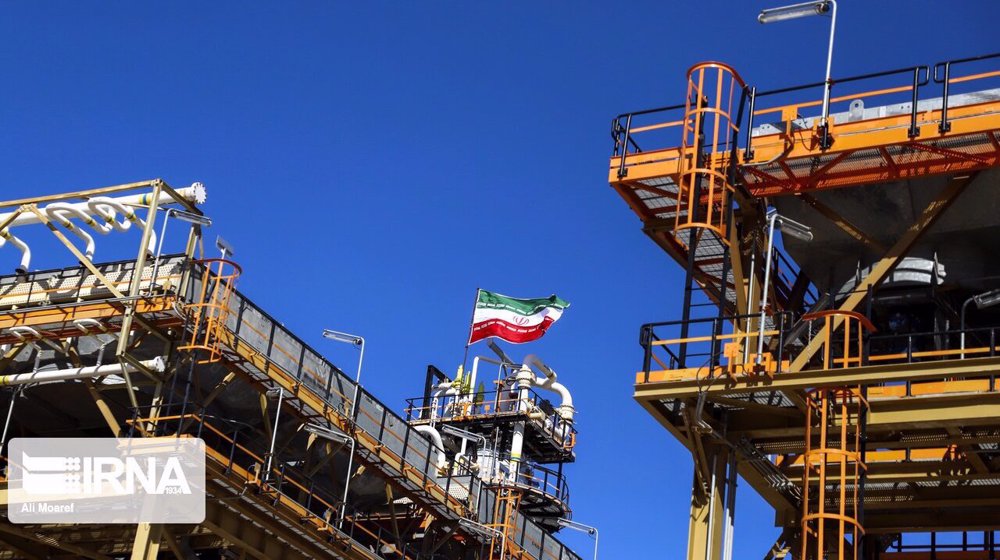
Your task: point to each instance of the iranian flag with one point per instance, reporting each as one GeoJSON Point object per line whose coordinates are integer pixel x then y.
{"type": "Point", "coordinates": [513, 319]}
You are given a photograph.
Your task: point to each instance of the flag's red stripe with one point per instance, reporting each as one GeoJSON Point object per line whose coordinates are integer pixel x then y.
{"type": "Point", "coordinates": [508, 331]}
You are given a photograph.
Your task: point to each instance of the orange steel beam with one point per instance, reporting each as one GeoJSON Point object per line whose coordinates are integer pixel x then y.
{"type": "Point", "coordinates": [975, 123]}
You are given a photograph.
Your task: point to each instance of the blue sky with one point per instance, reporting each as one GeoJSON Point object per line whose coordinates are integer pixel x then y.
{"type": "Point", "coordinates": [374, 163]}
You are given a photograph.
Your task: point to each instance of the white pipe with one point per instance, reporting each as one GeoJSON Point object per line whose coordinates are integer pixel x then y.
{"type": "Point", "coordinates": [62, 208]}
{"type": "Point", "coordinates": [549, 382]}
{"type": "Point", "coordinates": [472, 379]}
{"type": "Point", "coordinates": [106, 208]}
{"type": "Point", "coordinates": [274, 435]}
{"type": "Point", "coordinates": [32, 337]}
{"type": "Point", "coordinates": [435, 437]}
{"type": "Point", "coordinates": [767, 286]}
{"type": "Point", "coordinates": [57, 213]}
{"type": "Point", "coordinates": [195, 194]}
{"type": "Point", "coordinates": [22, 268]}
{"type": "Point", "coordinates": [156, 364]}
{"type": "Point", "coordinates": [444, 390]}
{"type": "Point", "coordinates": [727, 550]}
{"type": "Point", "coordinates": [750, 299]}
{"type": "Point", "coordinates": [525, 378]}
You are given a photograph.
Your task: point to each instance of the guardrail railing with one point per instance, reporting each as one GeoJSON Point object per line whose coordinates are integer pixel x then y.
{"type": "Point", "coordinates": [657, 129]}
{"type": "Point", "coordinates": [283, 349]}
{"type": "Point", "coordinates": [493, 404]}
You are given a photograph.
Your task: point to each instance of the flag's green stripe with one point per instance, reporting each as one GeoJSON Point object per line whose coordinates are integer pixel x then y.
{"type": "Point", "coordinates": [490, 300]}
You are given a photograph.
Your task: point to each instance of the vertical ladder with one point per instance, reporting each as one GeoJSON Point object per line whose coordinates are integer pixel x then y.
{"type": "Point", "coordinates": [833, 463]}
{"type": "Point", "coordinates": [706, 182]}
{"type": "Point", "coordinates": [209, 310]}
{"type": "Point", "coordinates": [504, 521]}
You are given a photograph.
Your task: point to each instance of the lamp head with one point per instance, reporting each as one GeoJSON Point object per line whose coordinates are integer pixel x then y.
{"type": "Point", "coordinates": [794, 229]}
{"type": "Point", "coordinates": [191, 217]}
{"type": "Point", "coordinates": [987, 299]}
{"type": "Point", "coordinates": [343, 337]}
{"type": "Point", "coordinates": [794, 11]}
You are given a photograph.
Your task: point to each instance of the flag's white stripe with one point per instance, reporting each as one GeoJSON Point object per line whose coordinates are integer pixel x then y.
{"type": "Point", "coordinates": [516, 318]}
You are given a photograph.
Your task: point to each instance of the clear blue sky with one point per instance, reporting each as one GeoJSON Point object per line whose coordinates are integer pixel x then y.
{"type": "Point", "coordinates": [374, 163]}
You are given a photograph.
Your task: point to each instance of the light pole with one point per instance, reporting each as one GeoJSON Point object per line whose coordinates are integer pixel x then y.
{"type": "Point", "coordinates": [982, 301]}
{"type": "Point", "coordinates": [577, 526]}
{"type": "Point", "coordinates": [189, 217]}
{"type": "Point", "coordinates": [274, 429]}
{"type": "Point", "coordinates": [358, 342]}
{"type": "Point", "coordinates": [815, 8]}
{"type": "Point", "coordinates": [793, 229]}
{"type": "Point", "coordinates": [336, 436]}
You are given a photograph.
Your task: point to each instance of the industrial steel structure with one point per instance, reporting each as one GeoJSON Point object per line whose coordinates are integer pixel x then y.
{"type": "Point", "coordinates": [302, 462]}
{"type": "Point", "coordinates": [836, 349]}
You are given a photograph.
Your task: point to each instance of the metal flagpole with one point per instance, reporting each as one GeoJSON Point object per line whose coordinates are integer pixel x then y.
{"type": "Point", "coordinates": [472, 322]}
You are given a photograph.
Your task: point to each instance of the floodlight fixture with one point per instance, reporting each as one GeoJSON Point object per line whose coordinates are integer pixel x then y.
{"type": "Point", "coordinates": [794, 229]}
{"type": "Point", "coordinates": [987, 299]}
{"type": "Point", "coordinates": [480, 529]}
{"type": "Point", "coordinates": [577, 526]}
{"type": "Point", "coordinates": [463, 434]}
{"type": "Point", "coordinates": [328, 434]}
{"type": "Point", "coordinates": [343, 337]}
{"type": "Point", "coordinates": [190, 217]}
{"type": "Point", "coordinates": [794, 11]}
{"type": "Point", "coordinates": [815, 8]}
{"type": "Point", "coordinates": [359, 342]}
{"type": "Point", "coordinates": [982, 301]}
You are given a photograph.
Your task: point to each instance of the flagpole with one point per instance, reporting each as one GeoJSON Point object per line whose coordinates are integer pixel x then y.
{"type": "Point", "coordinates": [472, 322]}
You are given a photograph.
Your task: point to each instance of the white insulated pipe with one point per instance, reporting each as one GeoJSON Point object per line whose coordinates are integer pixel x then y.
{"type": "Point", "coordinates": [104, 208]}
{"type": "Point", "coordinates": [435, 437]}
{"type": "Point", "coordinates": [155, 364]}
{"type": "Point", "coordinates": [442, 390]}
{"type": "Point", "coordinates": [525, 378]}
{"type": "Point", "coordinates": [195, 194]}
{"type": "Point", "coordinates": [59, 213]}
{"type": "Point", "coordinates": [22, 268]}
{"type": "Point", "coordinates": [550, 383]}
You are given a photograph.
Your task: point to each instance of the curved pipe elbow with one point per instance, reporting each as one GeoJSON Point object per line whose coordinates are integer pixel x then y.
{"type": "Point", "coordinates": [550, 383]}
{"type": "Point", "coordinates": [58, 212]}
{"type": "Point", "coordinates": [566, 407]}
{"type": "Point", "coordinates": [435, 437]}
{"type": "Point", "coordinates": [106, 207]}
{"type": "Point", "coordinates": [63, 208]}
{"type": "Point", "coordinates": [550, 374]}
{"type": "Point", "coordinates": [25, 263]}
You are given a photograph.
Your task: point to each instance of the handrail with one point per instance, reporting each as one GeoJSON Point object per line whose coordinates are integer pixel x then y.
{"type": "Point", "coordinates": [283, 474]}
{"type": "Point", "coordinates": [921, 77]}
{"type": "Point", "coordinates": [717, 351]}
{"type": "Point", "coordinates": [623, 128]}
{"type": "Point", "coordinates": [464, 407]}
{"type": "Point", "coordinates": [945, 80]}
{"type": "Point", "coordinates": [387, 417]}
{"type": "Point", "coordinates": [622, 134]}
